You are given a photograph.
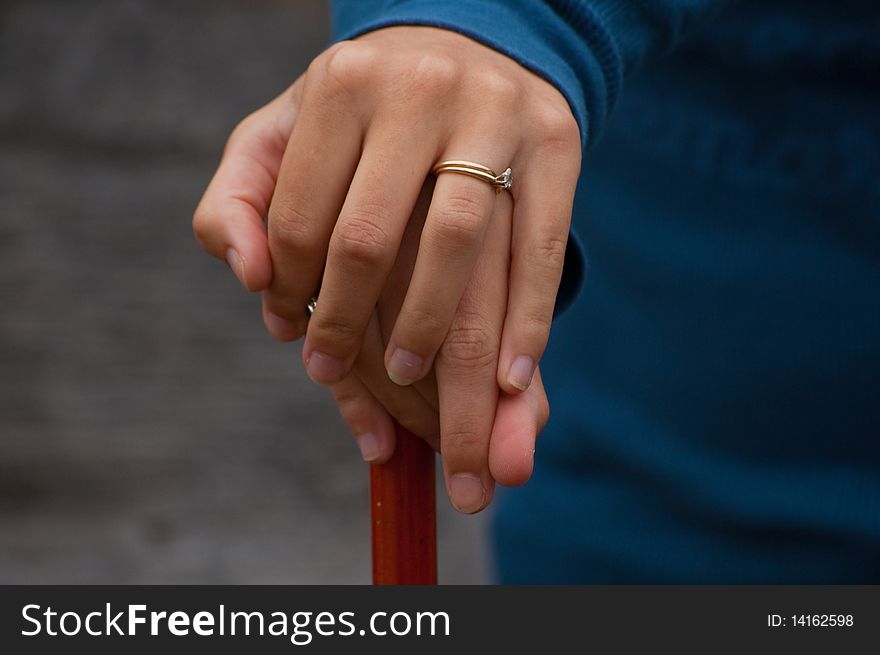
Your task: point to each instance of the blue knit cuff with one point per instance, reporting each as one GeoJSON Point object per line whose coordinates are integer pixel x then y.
{"type": "Point", "coordinates": [529, 32]}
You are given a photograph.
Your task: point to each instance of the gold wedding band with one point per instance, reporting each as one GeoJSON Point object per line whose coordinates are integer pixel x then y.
{"type": "Point", "coordinates": [480, 172]}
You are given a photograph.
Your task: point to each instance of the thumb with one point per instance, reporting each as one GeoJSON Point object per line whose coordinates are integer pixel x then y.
{"type": "Point", "coordinates": [228, 222]}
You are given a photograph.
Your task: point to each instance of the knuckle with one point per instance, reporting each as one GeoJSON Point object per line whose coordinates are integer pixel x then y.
{"type": "Point", "coordinates": [201, 224]}
{"type": "Point", "coordinates": [438, 72]}
{"type": "Point", "coordinates": [469, 346]}
{"type": "Point", "coordinates": [460, 219]}
{"type": "Point", "coordinates": [289, 226]}
{"type": "Point", "coordinates": [424, 323]}
{"type": "Point", "coordinates": [547, 255]}
{"type": "Point", "coordinates": [348, 65]}
{"type": "Point", "coordinates": [338, 329]}
{"type": "Point", "coordinates": [557, 127]}
{"type": "Point", "coordinates": [464, 440]}
{"type": "Point", "coordinates": [348, 401]}
{"type": "Point", "coordinates": [241, 129]}
{"type": "Point", "coordinates": [362, 239]}
{"type": "Point", "coordinates": [534, 323]}
{"type": "Point", "coordinates": [492, 84]}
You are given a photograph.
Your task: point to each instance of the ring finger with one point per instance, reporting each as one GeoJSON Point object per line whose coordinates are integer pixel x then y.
{"type": "Point", "coordinates": [451, 242]}
{"type": "Point", "coordinates": [466, 367]}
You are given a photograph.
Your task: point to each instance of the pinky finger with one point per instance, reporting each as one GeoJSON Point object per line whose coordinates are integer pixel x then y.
{"type": "Point", "coordinates": [371, 426]}
{"type": "Point", "coordinates": [541, 220]}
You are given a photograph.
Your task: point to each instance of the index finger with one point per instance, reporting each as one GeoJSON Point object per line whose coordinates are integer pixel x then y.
{"type": "Point", "coordinates": [315, 174]}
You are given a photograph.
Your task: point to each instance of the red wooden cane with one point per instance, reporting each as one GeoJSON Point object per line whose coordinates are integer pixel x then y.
{"type": "Point", "coordinates": [404, 514]}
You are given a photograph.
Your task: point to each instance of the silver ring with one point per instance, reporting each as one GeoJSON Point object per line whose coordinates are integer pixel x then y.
{"type": "Point", "coordinates": [312, 306]}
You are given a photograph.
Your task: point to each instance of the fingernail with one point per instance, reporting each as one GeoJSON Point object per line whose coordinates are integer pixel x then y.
{"type": "Point", "coordinates": [369, 445]}
{"type": "Point", "coordinates": [236, 263]}
{"type": "Point", "coordinates": [324, 369]}
{"type": "Point", "coordinates": [521, 372]}
{"type": "Point", "coordinates": [280, 328]}
{"type": "Point", "coordinates": [466, 492]}
{"type": "Point", "coordinates": [404, 367]}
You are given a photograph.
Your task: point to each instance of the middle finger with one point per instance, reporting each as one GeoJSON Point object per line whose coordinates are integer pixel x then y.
{"type": "Point", "coordinates": [364, 245]}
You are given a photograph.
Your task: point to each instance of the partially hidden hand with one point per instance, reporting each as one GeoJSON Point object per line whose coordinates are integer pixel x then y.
{"type": "Point", "coordinates": [374, 116]}
{"type": "Point", "coordinates": [487, 435]}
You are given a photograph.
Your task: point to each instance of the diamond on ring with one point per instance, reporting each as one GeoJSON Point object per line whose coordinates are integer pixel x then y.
{"type": "Point", "coordinates": [311, 306]}
{"type": "Point", "coordinates": [505, 179]}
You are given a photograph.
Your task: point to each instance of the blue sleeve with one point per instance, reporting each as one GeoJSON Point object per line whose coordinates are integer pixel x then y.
{"type": "Point", "coordinates": [583, 47]}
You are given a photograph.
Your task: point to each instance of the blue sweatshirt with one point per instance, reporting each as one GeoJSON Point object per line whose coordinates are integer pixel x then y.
{"type": "Point", "coordinates": [715, 388]}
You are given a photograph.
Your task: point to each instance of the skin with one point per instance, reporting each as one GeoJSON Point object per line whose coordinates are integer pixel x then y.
{"type": "Point", "coordinates": [459, 279]}
{"type": "Point", "coordinates": [474, 400]}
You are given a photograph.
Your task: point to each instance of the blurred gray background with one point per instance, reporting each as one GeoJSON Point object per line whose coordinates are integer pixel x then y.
{"type": "Point", "coordinates": [150, 430]}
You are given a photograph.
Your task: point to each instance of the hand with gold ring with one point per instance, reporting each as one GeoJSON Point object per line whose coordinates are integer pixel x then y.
{"type": "Point", "coordinates": [376, 115]}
